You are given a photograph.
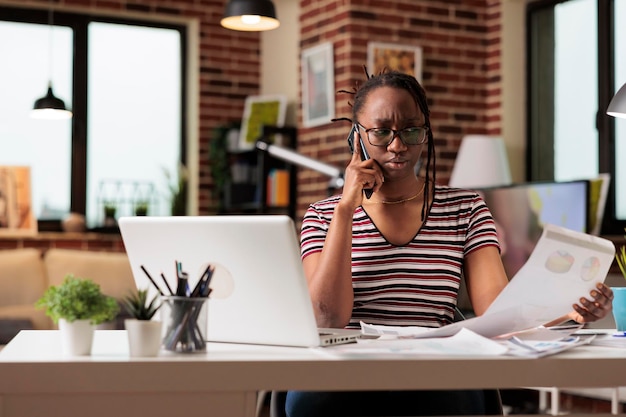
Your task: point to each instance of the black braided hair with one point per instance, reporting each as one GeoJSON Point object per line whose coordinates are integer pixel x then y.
{"type": "Point", "coordinates": [402, 81]}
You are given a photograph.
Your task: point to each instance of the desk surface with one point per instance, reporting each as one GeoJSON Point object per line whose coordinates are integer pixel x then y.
{"type": "Point", "coordinates": [32, 362]}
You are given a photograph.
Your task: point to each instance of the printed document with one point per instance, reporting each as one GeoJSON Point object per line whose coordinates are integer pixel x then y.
{"type": "Point", "coordinates": [564, 266]}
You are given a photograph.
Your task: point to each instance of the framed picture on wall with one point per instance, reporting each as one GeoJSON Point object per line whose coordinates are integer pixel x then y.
{"type": "Point", "coordinates": [16, 212]}
{"type": "Point", "coordinates": [258, 111]}
{"type": "Point", "coordinates": [403, 58]}
{"type": "Point", "coordinates": [318, 85]}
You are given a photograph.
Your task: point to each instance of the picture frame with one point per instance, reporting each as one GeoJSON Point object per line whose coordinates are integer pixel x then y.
{"type": "Point", "coordinates": [403, 58]}
{"type": "Point", "coordinates": [16, 213]}
{"type": "Point", "coordinates": [318, 85]}
{"type": "Point", "coordinates": [258, 111]}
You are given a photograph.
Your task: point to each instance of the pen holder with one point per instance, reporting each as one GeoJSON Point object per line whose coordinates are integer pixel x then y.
{"type": "Point", "coordinates": [184, 323]}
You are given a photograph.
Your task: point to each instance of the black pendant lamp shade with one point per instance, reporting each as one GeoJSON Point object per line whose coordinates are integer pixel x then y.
{"type": "Point", "coordinates": [50, 107]}
{"type": "Point", "coordinates": [250, 15]}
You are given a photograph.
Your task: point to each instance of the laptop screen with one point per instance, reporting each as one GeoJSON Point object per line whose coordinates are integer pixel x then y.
{"type": "Point", "coordinates": [259, 292]}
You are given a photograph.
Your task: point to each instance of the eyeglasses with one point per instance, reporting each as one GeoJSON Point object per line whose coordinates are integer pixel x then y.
{"type": "Point", "coordinates": [383, 136]}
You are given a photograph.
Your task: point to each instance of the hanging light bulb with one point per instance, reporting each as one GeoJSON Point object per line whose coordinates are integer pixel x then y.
{"type": "Point", "coordinates": [50, 107]}
{"type": "Point", "coordinates": [250, 15]}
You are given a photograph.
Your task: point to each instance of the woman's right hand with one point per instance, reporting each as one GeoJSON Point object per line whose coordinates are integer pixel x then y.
{"type": "Point", "coordinates": [360, 175]}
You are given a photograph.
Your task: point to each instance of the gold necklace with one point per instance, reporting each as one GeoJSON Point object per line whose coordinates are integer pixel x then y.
{"type": "Point", "coordinates": [404, 200]}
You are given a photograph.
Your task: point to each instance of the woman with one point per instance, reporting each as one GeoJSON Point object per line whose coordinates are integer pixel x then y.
{"type": "Point", "coordinates": [397, 257]}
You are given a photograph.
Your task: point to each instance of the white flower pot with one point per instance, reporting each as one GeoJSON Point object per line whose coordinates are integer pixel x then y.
{"type": "Point", "coordinates": [76, 337]}
{"type": "Point", "coordinates": [144, 337]}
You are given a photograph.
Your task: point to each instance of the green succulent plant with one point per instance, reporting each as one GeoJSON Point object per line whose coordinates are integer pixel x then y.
{"type": "Point", "coordinates": [138, 306]}
{"type": "Point", "coordinates": [78, 299]}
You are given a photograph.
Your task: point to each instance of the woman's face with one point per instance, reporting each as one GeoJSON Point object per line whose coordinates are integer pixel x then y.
{"type": "Point", "coordinates": [392, 108]}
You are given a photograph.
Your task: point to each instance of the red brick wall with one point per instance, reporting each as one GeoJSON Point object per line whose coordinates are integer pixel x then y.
{"type": "Point", "coordinates": [460, 41]}
{"type": "Point", "coordinates": [229, 63]}
{"type": "Point", "coordinates": [461, 68]}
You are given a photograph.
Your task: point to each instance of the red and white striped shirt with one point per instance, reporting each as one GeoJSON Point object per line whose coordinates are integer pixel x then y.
{"type": "Point", "coordinates": [415, 284]}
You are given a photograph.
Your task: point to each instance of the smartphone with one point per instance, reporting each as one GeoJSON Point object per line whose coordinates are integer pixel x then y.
{"type": "Point", "coordinates": [364, 155]}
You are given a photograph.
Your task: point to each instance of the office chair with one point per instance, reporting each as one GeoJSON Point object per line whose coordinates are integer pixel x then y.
{"type": "Point", "coordinates": [493, 403]}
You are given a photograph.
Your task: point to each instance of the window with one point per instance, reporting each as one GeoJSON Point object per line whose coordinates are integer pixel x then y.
{"type": "Point", "coordinates": [572, 54]}
{"type": "Point", "coordinates": [124, 81]}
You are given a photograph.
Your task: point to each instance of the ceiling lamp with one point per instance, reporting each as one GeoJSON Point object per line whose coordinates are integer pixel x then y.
{"type": "Point", "coordinates": [50, 107]}
{"type": "Point", "coordinates": [250, 15]}
{"type": "Point", "coordinates": [617, 106]}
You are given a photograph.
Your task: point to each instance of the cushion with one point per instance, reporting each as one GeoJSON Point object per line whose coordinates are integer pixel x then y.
{"type": "Point", "coordinates": [111, 270]}
{"type": "Point", "coordinates": [22, 277]}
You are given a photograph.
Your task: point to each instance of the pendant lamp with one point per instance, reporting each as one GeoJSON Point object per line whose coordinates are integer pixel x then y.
{"type": "Point", "coordinates": [50, 107]}
{"type": "Point", "coordinates": [250, 15]}
{"type": "Point", "coordinates": [617, 106]}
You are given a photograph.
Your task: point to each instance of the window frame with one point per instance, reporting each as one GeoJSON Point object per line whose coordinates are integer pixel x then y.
{"type": "Point", "coordinates": [540, 137]}
{"type": "Point", "coordinates": [79, 23]}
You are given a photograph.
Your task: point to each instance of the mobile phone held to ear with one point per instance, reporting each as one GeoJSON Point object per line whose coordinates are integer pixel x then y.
{"type": "Point", "coordinates": [364, 155]}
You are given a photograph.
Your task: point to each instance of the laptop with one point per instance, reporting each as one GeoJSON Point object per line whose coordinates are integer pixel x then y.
{"type": "Point", "coordinates": [259, 291]}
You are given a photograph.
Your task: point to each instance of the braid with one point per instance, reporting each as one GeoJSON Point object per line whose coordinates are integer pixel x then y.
{"type": "Point", "coordinates": [396, 79]}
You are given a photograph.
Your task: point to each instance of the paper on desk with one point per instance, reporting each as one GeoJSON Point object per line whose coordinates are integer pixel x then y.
{"type": "Point", "coordinates": [540, 348]}
{"type": "Point", "coordinates": [464, 343]}
{"type": "Point", "coordinates": [564, 266]}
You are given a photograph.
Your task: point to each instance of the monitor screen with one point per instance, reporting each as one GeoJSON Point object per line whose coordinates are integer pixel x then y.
{"type": "Point", "coordinates": [521, 210]}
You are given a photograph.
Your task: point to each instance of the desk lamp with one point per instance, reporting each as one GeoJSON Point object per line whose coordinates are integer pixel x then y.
{"type": "Point", "coordinates": [295, 158]}
{"type": "Point", "coordinates": [617, 106]}
{"type": "Point", "coordinates": [480, 162]}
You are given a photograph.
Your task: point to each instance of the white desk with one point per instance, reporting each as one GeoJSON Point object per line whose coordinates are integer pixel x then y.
{"type": "Point", "coordinates": [37, 380]}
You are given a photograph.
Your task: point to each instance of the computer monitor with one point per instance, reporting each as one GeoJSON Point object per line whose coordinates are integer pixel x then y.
{"type": "Point", "coordinates": [521, 210]}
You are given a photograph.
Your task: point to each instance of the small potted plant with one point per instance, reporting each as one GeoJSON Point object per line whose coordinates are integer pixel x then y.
{"type": "Point", "coordinates": [110, 209]}
{"type": "Point", "coordinates": [141, 208]}
{"type": "Point", "coordinates": [77, 305]}
{"type": "Point", "coordinates": [144, 333]}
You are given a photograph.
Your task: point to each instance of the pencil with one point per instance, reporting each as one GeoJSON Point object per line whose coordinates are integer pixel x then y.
{"type": "Point", "coordinates": [166, 284]}
{"type": "Point", "coordinates": [151, 280]}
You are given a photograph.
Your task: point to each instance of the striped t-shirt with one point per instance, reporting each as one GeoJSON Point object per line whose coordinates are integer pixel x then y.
{"type": "Point", "coordinates": [415, 284]}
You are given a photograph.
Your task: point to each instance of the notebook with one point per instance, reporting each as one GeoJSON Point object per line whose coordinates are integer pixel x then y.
{"type": "Point", "coordinates": [259, 291]}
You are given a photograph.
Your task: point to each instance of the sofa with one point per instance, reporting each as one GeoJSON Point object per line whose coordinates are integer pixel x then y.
{"type": "Point", "coordinates": [26, 273]}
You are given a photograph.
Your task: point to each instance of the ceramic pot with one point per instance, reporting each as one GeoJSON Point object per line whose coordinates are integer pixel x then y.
{"type": "Point", "coordinates": [76, 337]}
{"type": "Point", "coordinates": [144, 337]}
{"type": "Point", "coordinates": [74, 223]}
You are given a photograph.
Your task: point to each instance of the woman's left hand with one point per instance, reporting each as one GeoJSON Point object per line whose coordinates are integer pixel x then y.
{"type": "Point", "coordinates": [598, 307]}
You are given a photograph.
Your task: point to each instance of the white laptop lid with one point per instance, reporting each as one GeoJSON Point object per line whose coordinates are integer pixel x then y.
{"type": "Point", "coordinates": [259, 292]}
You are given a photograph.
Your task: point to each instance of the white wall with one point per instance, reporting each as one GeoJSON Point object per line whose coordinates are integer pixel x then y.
{"type": "Point", "coordinates": [514, 85]}
{"type": "Point", "coordinates": [280, 53]}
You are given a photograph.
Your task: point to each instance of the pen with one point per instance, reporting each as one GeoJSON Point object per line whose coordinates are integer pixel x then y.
{"type": "Point", "coordinates": [197, 290]}
{"type": "Point", "coordinates": [619, 334]}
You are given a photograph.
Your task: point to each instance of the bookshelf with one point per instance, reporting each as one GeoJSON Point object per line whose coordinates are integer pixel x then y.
{"type": "Point", "coordinates": [260, 183]}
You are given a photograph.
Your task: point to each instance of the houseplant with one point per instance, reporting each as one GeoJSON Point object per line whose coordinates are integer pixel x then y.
{"type": "Point", "coordinates": [144, 334]}
{"type": "Point", "coordinates": [77, 305]}
{"type": "Point", "coordinates": [141, 208]}
{"type": "Point", "coordinates": [178, 187]}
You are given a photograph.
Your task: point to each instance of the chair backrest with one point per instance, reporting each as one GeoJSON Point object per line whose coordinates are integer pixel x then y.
{"type": "Point", "coordinates": [493, 403]}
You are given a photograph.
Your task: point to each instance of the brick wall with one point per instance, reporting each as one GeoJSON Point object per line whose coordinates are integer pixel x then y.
{"type": "Point", "coordinates": [460, 41]}
{"type": "Point", "coordinates": [461, 66]}
{"type": "Point", "coordinates": [229, 62]}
